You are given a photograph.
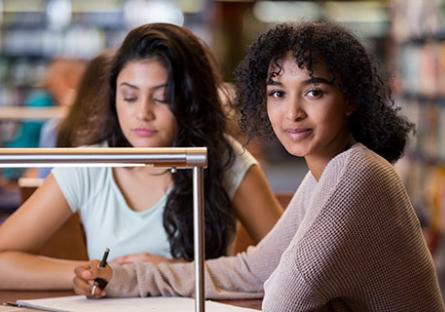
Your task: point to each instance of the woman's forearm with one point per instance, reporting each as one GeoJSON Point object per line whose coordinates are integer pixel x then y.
{"type": "Point", "coordinates": [19, 270]}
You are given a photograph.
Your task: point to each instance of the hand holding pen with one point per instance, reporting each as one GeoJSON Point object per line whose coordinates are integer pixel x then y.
{"type": "Point", "coordinates": [90, 279]}
{"type": "Point", "coordinates": [100, 282]}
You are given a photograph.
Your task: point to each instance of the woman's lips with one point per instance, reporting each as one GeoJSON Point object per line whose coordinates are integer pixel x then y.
{"type": "Point", "coordinates": [144, 132]}
{"type": "Point", "coordinates": [298, 134]}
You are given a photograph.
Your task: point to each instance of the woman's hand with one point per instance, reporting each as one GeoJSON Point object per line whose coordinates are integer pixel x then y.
{"type": "Point", "coordinates": [142, 257]}
{"type": "Point", "coordinates": [85, 275]}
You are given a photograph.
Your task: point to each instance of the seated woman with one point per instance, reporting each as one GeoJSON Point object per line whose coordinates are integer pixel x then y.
{"type": "Point", "coordinates": [163, 92]}
{"type": "Point", "coordinates": [349, 239]}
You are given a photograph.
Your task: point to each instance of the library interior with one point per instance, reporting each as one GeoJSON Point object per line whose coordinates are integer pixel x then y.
{"type": "Point", "coordinates": [48, 47]}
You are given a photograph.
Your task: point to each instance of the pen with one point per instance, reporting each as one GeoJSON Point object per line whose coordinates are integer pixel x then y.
{"type": "Point", "coordinates": [10, 304]}
{"type": "Point", "coordinates": [100, 282]}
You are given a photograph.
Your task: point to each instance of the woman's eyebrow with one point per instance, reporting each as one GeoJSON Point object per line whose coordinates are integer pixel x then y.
{"type": "Point", "coordinates": [164, 85]}
{"type": "Point", "coordinates": [271, 82]}
{"type": "Point", "coordinates": [126, 84]}
{"type": "Point", "coordinates": [317, 80]}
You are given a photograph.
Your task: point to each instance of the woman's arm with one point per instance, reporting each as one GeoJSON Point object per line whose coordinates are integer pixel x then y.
{"type": "Point", "coordinates": [22, 235]}
{"type": "Point", "coordinates": [240, 276]}
{"type": "Point", "coordinates": [255, 204]}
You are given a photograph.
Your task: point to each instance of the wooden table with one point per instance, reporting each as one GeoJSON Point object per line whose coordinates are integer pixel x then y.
{"type": "Point", "coordinates": [13, 295]}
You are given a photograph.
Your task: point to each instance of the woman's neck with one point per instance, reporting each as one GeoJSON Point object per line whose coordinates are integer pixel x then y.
{"type": "Point", "coordinates": [142, 187]}
{"type": "Point", "coordinates": [317, 162]}
{"type": "Point", "coordinates": [148, 170]}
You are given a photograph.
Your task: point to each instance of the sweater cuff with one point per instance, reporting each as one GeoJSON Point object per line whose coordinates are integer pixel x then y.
{"type": "Point", "coordinates": [124, 282]}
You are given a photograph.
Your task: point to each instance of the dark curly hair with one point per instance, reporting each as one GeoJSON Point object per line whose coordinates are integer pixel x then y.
{"type": "Point", "coordinates": [192, 94]}
{"type": "Point", "coordinates": [375, 122]}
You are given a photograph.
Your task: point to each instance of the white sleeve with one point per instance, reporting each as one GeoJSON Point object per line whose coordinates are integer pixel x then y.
{"type": "Point", "coordinates": [73, 184]}
{"type": "Point", "coordinates": [78, 183]}
{"type": "Point", "coordinates": [241, 164]}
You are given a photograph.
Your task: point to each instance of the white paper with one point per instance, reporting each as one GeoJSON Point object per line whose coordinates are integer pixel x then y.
{"type": "Point", "coordinates": [150, 304]}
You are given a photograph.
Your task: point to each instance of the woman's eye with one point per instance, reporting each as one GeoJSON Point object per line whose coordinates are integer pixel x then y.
{"type": "Point", "coordinates": [276, 94]}
{"type": "Point", "coordinates": [130, 99]}
{"type": "Point", "coordinates": [160, 100]}
{"type": "Point", "coordinates": [315, 93]}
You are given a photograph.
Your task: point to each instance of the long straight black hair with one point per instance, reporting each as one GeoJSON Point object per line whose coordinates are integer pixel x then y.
{"type": "Point", "coordinates": [192, 95]}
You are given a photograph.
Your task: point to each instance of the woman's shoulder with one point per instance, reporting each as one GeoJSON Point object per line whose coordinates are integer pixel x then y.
{"type": "Point", "coordinates": [94, 175]}
{"type": "Point", "coordinates": [362, 159]}
{"type": "Point", "coordinates": [359, 157]}
{"type": "Point", "coordinates": [362, 168]}
{"type": "Point", "coordinates": [237, 147]}
{"type": "Point", "coordinates": [362, 189]}
{"type": "Point", "coordinates": [240, 164]}
{"type": "Point", "coordinates": [241, 154]}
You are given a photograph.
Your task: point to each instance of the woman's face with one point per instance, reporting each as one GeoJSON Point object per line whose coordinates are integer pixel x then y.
{"type": "Point", "coordinates": [308, 115]}
{"type": "Point", "coordinates": [144, 115]}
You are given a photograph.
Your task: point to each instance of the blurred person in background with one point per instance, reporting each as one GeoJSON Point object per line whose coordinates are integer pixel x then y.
{"type": "Point", "coordinates": [56, 90]}
{"type": "Point", "coordinates": [82, 125]}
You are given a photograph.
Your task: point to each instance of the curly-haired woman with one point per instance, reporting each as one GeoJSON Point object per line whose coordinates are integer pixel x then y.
{"type": "Point", "coordinates": [349, 240]}
{"type": "Point", "coordinates": [164, 92]}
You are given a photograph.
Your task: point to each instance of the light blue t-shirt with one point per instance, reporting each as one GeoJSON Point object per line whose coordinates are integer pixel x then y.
{"type": "Point", "coordinates": [108, 220]}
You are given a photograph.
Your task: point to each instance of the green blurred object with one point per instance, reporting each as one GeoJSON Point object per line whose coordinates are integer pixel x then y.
{"type": "Point", "coordinates": [28, 134]}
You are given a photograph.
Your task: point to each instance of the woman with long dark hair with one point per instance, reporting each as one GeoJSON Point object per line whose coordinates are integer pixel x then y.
{"type": "Point", "coordinates": [163, 92]}
{"type": "Point", "coordinates": [349, 239]}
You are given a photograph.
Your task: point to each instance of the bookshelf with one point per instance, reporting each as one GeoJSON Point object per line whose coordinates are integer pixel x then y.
{"type": "Point", "coordinates": [33, 32]}
{"type": "Point", "coordinates": [418, 33]}
{"type": "Point", "coordinates": [31, 35]}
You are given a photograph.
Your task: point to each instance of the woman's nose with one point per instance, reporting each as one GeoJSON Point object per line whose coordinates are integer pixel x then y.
{"type": "Point", "coordinates": [295, 111]}
{"type": "Point", "coordinates": [145, 111]}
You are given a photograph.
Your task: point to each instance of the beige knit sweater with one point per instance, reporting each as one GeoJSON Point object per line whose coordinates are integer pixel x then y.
{"type": "Point", "coordinates": [349, 242]}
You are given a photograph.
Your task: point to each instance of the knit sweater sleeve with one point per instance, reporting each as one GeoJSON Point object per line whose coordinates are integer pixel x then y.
{"type": "Point", "coordinates": [361, 251]}
{"type": "Point", "coordinates": [240, 276]}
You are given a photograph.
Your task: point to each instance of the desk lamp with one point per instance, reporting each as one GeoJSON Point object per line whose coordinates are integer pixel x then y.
{"type": "Point", "coordinates": [194, 158]}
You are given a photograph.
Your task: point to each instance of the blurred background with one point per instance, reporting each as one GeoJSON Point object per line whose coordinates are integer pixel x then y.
{"type": "Point", "coordinates": [407, 38]}
{"type": "Point", "coordinates": [35, 32]}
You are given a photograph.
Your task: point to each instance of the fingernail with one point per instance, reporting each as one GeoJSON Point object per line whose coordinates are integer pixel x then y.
{"type": "Point", "coordinates": [93, 290]}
